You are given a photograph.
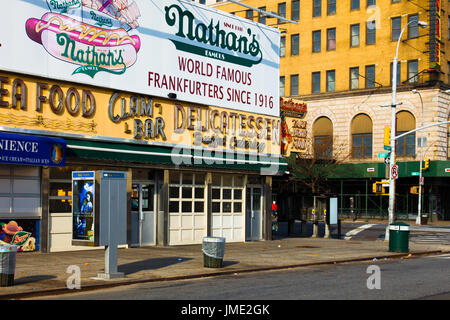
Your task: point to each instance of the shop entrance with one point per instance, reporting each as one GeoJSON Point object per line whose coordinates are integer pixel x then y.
{"type": "Point", "coordinates": [253, 213]}
{"type": "Point", "coordinates": [143, 218]}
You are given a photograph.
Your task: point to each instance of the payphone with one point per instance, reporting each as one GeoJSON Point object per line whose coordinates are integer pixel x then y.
{"type": "Point", "coordinates": [99, 213]}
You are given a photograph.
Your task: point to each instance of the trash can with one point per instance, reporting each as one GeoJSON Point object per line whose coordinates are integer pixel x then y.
{"type": "Point", "coordinates": [7, 264]}
{"type": "Point", "coordinates": [424, 219]}
{"type": "Point", "coordinates": [399, 237]}
{"type": "Point", "coordinates": [213, 252]}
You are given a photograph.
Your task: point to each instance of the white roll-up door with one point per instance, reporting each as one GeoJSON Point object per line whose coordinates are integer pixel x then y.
{"type": "Point", "coordinates": [187, 208]}
{"type": "Point", "coordinates": [228, 207]}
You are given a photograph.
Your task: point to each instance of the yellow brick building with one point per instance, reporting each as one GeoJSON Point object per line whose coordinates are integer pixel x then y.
{"type": "Point", "coordinates": [336, 40]}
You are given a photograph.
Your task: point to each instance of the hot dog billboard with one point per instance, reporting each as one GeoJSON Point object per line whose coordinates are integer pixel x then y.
{"type": "Point", "coordinates": [156, 47]}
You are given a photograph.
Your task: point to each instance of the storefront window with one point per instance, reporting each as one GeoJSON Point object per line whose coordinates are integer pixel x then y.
{"type": "Point", "coordinates": [199, 193]}
{"type": "Point", "coordinates": [60, 197]}
{"type": "Point", "coordinates": [238, 181]}
{"type": "Point", "coordinates": [187, 178]}
{"type": "Point", "coordinates": [174, 192]}
{"type": "Point", "coordinates": [227, 180]}
{"type": "Point", "coordinates": [143, 175]}
{"type": "Point", "coordinates": [254, 180]}
{"type": "Point", "coordinates": [174, 177]}
{"type": "Point", "coordinates": [227, 193]}
{"type": "Point", "coordinates": [190, 186]}
{"type": "Point", "coordinates": [200, 179]}
{"type": "Point", "coordinates": [60, 193]}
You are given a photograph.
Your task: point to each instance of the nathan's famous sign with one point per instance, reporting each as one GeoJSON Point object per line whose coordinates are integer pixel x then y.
{"type": "Point", "coordinates": [153, 47]}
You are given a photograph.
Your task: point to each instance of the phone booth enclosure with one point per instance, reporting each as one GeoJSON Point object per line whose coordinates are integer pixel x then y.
{"type": "Point", "coordinates": [113, 208]}
{"type": "Point", "coordinates": [84, 208]}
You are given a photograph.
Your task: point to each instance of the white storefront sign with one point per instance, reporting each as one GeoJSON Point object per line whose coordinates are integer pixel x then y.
{"type": "Point", "coordinates": [156, 47]}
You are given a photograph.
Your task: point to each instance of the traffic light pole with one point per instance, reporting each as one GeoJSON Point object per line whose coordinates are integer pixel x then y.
{"type": "Point", "coordinates": [393, 127]}
{"type": "Point", "coordinates": [419, 206]}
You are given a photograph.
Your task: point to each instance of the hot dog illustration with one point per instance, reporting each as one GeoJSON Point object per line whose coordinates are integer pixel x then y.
{"type": "Point", "coordinates": [92, 47]}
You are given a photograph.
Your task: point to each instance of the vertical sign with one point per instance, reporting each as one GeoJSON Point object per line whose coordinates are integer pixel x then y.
{"type": "Point", "coordinates": [435, 34]}
{"type": "Point", "coordinates": [83, 207]}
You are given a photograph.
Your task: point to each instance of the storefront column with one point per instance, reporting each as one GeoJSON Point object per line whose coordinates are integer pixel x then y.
{"type": "Point", "coordinates": [129, 189]}
{"type": "Point", "coordinates": [162, 223]}
{"type": "Point", "coordinates": [44, 227]}
{"type": "Point", "coordinates": [267, 213]}
{"type": "Point", "coordinates": [208, 183]}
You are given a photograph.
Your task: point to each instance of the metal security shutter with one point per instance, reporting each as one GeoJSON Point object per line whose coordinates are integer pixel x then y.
{"type": "Point", "coordinates": [20, 192]}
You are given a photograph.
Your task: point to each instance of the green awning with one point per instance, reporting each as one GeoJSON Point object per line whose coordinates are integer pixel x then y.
{"type": "Point", "coordinates": [140, 153]}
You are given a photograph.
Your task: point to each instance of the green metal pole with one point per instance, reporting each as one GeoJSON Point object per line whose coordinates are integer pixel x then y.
{"type": "Point", "coordinates": [407, 210]}
{"type": "Point", "coordinates": [366, 197]}
{"type": "Point", "coordinates": [380, 207]}
{"type": "Point", "coordinates": [342, 191]}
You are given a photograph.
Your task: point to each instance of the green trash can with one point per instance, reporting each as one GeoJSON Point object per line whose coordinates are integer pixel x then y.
{"type": "Point", "coordinates": [7, 264]}
{"type": "Point", "coordinates": [399, 237]}
{"type": "Point", "coordinates": [213, 252]}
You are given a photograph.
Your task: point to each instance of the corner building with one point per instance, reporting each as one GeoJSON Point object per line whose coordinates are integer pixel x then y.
{"type": "Point", "coordinates": [197, 164]}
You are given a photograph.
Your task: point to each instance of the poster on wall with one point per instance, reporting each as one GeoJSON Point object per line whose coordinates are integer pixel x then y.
{"type": "Point", "coordinates": [83, 209]}
{"type": "Point", "coordinates": [24, 233]}
{"type": "Point", "coordinates": [164, 48]}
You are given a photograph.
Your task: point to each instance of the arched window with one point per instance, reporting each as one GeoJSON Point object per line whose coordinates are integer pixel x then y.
{"type": "Point", "coordinates": [361, 130]}
{"type": "Point", "coordinates": [406, 145]}
{"type": "Point", "coordinates": [323, 138]}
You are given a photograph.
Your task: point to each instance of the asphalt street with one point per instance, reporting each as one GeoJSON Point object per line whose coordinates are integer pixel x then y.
{"type": "Point", "coordinates": [371, 231]}
{"type": "Point", "coordinates": [422, 278]}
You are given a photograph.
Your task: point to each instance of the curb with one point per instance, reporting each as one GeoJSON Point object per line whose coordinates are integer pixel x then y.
{"type": "Point", "coordinates": [60, 291]}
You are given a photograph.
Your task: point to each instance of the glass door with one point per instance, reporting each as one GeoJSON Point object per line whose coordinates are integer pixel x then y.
{"type": "Point", "coordinates": [253, 213]}
{"type": "Point", "coordinates": [143, 214]}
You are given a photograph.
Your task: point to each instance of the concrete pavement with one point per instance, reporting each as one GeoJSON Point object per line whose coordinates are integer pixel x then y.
{"type": "Point", "coordinates": [38, 273]}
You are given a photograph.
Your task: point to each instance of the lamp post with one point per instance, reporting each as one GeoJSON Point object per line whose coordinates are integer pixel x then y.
{"type": "Point", "coordinates": [419, 206]}
{"type": "Point", "coordinates": [392, 161]}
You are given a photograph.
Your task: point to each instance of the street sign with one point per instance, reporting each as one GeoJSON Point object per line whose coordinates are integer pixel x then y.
{"type": "Point", "coordinates": [422, 181]}
{"type": "Point", "coordinates": [387, 148]}
{"type": "Point", "coordinates": [414, 173]}
{"type": "Point", "coordinates": [383, 154]}
{"type": "Point", "coordinates": [394, 172]}
{"type": "Point", "coordinates": [370, 169]}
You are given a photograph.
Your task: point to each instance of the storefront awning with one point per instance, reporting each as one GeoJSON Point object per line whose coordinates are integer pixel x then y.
{"type": "Point", "coordinates": [32, 150]}
{"type": "Point", "coordinates": [267, 164]}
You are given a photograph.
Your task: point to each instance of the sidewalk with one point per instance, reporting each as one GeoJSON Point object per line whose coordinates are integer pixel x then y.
{"type": "Point", "coordinates": [39, 273]}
